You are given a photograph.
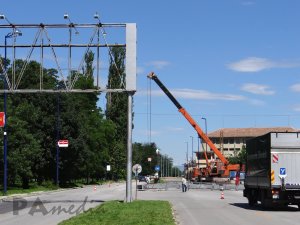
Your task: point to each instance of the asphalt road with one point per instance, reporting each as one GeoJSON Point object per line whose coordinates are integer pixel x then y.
{"type": "Point", "coordinates": [201, 206]}
{"type": "Point", "coordinates": [205, 207]}
{"type": "Point", "coordinates": [53, 207]}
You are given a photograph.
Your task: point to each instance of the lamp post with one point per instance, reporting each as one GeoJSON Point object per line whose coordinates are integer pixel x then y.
{"type": "Point", "coordinates": [71, 25]}
{"type": "Point", "coordinates": [13, 34]}
{"type": "Point", "coordinates": [192, 149]}
{"type": "Point", "coordinates": [198, 157]}
{"type": "Point", "coordinates": [149, 160]}
{"type": "Point", "coordinates": [161, 166]}
{"type": "Point", "coordinates": [205, 132]}
{"type": "Point", "coordinates": [157, 153]}
{"type": "Point", "coordinates": [187, 157]}
{"type": "Point", "coordinates": [166, 165]}
{"type": "Point", "coordinates": [57, 139]}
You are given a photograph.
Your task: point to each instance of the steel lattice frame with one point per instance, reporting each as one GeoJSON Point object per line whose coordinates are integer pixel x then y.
{"type": "Point", "coordinates": [42, 40]}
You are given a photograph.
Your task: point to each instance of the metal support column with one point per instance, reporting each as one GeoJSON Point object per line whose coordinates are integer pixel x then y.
{"type": "Point", "coordinates": [5, 120]}
{"type": "Point", "coordinates": [129, 150]}
{"type": "Point", "coordinates": [57, 139]}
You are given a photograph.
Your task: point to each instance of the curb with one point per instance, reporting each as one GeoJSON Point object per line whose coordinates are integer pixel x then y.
{"type": "Point", "coordinates": [9, 197]}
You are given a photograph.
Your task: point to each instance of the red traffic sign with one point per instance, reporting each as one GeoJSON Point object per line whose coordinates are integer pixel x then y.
{"type": "Point", "coordinates": [63, 143]}
{"type": "Point", "coordinates": [2, 119]}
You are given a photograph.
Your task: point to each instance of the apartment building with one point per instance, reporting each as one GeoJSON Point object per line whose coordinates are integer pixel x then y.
{"type": "Point", "coordinates": [231, 140]}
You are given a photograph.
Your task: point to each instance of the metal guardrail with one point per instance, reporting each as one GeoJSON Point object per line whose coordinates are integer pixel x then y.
{"type": "Point", "coordinates": [176, 185]}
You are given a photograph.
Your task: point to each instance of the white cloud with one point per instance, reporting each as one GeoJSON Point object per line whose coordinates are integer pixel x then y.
{"type": "Point", "coordinates": [159, 64]}
{"type": "Point", "coordinates": [147, 133]}
{"type": "Point", "coordinates": [296, 108]}
{"type": "Point", "coordinates": [140, 70]}
{"type": "Point", "coordinates": [175, 129]}
{"type": "Point", "coordinates": [255, 64]}
{"type": "Point", "coordinates": [251, 64]}
{"type": "Point", "coordinates": [257, 89]}
{"type": "Point", "coordinates": [200, 94]}
{"type": "Point", "coordinates": [247, 3]}
{"type": "Point", "coordinates": [203, 95]}
{"type": "Point", "coordinates": [295, 87]}
{"type": "Point", "coordinates": [256, 102]}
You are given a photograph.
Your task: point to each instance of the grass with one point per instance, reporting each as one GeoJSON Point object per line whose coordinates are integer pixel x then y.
{"type": "Point", "coordinates": [118, 213]}
{"type": "Point", "coordinates": [33, 188]}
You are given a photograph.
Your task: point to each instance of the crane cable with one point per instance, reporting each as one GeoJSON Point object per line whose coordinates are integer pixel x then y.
{"type": "Point", "coordinates": [149, 110]}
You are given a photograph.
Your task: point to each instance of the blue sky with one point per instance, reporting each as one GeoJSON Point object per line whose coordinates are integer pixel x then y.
{"type": "Point", "coordinates": [234, 62]}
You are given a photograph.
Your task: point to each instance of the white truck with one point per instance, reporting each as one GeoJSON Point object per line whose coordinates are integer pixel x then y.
{"type": "Point", "coordinates": [273, 169]}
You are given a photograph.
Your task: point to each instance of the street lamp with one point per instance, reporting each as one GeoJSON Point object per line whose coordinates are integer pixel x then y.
{"type": "Point", "coordinates": [166, 165]}
{"type": "Point", "coordinates": [157, 153]}
{"type": "Point", "coordinates": [187, 156]}
{"type": "Point", "coordinates": [57, 138]}
{"type": "Point", "coordinates": [13, 34]}
{"type": "Point", "coordinates": [71, 25]}
{"type": "Point", "coordinates": [192, 149]}
{"type": "Point", "coordinates": [205, 131]}
{"type": "Point", "coordinates": [198, 157]}
{"type": "Point", "coordinates": [67, 17]}
{"type": "Point", "coordinates": [149, 160]}
{"type": "Point", "coordinates": [97, 17]}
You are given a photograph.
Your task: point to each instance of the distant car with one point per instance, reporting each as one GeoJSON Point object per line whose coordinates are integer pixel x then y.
{"type": "Point", "coordinates": [142, 178]}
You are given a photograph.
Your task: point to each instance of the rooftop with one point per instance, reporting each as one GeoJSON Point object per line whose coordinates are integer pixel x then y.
{"type": "Point", "coordinates": [248, 132]}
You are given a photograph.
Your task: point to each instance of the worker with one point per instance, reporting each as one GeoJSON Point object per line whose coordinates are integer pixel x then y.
{"type": "Point", "coordinates": [183, 183]}
{"type": "Point", "coordinates": [237, 180]}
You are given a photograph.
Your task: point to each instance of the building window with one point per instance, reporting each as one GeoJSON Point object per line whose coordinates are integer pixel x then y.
{"type": "Point", "coordinates": [237, 140]}
{"type": "Point", "coordinates": [231, 141]}
{"type": "Point", "coordinates": [214, 140]}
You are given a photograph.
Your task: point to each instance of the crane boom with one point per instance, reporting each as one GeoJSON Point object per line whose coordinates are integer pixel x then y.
{"type": "Point", "coordinates": [188, 118]}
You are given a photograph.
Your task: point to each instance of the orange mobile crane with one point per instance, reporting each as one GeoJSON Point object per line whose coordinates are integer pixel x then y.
{"type": "Point", "coordinates": [221, 166]}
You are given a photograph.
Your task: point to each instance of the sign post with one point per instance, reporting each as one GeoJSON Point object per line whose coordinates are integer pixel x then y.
{"type": "Point", "coordinates": [63, 143]}
{"type": "Point", "coordinates": [60, 144]}
{"type": "Point", "coordinates": [2, 119]}
{"type": "Point", "coordinates": [136, 169]}
{"type": "Point", "coordinates": [2, 124]}
{"type": "Point", "coordinates": [282, 173]}
{"type": "Point", "coordinates": [108, 168]}
{"type": "Point", "coordinates": [157, 168]}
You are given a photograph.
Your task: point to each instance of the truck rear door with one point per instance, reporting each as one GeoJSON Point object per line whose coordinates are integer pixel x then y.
{"type": "Point", "coordinates": [285, 160]}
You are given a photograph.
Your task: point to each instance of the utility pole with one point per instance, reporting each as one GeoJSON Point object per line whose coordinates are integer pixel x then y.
{"type": "Point", "coordinates": [205, 132]}
{"type": "Point", "coordinates": [187, 158]}
{"type": "Point", "coordinates": [13, 35]}
{"type": "Point", "coordinates": [192, 150]}
{"type": "Point", "coordinates": [129, 149]}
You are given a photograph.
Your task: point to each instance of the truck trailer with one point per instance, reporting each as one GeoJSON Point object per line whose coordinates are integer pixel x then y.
{"type": "Point", "coordinates": [273, 169]}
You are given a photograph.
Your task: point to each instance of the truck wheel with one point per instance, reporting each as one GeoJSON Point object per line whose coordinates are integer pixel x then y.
{"type": "Point", "coordinates": [251, 200]}
{"type": "Point", "coordinates": [263, 199]}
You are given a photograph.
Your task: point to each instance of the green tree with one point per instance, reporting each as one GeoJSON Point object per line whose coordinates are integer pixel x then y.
{"type": "Point", "coordinates": [116, 111]}
{"type": "Point", "coordinates": [140, 155]}
{"type": "Point", "coordinates": [240, 158]}
{"type": "Point", "coordinates": [32, 129]}
{"type": "Point", "coordinates": [28, 134]}
{"type": "Point", "coordinates": [25, 152]}
{"type": "Point", "coordinates": [84, 126]}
